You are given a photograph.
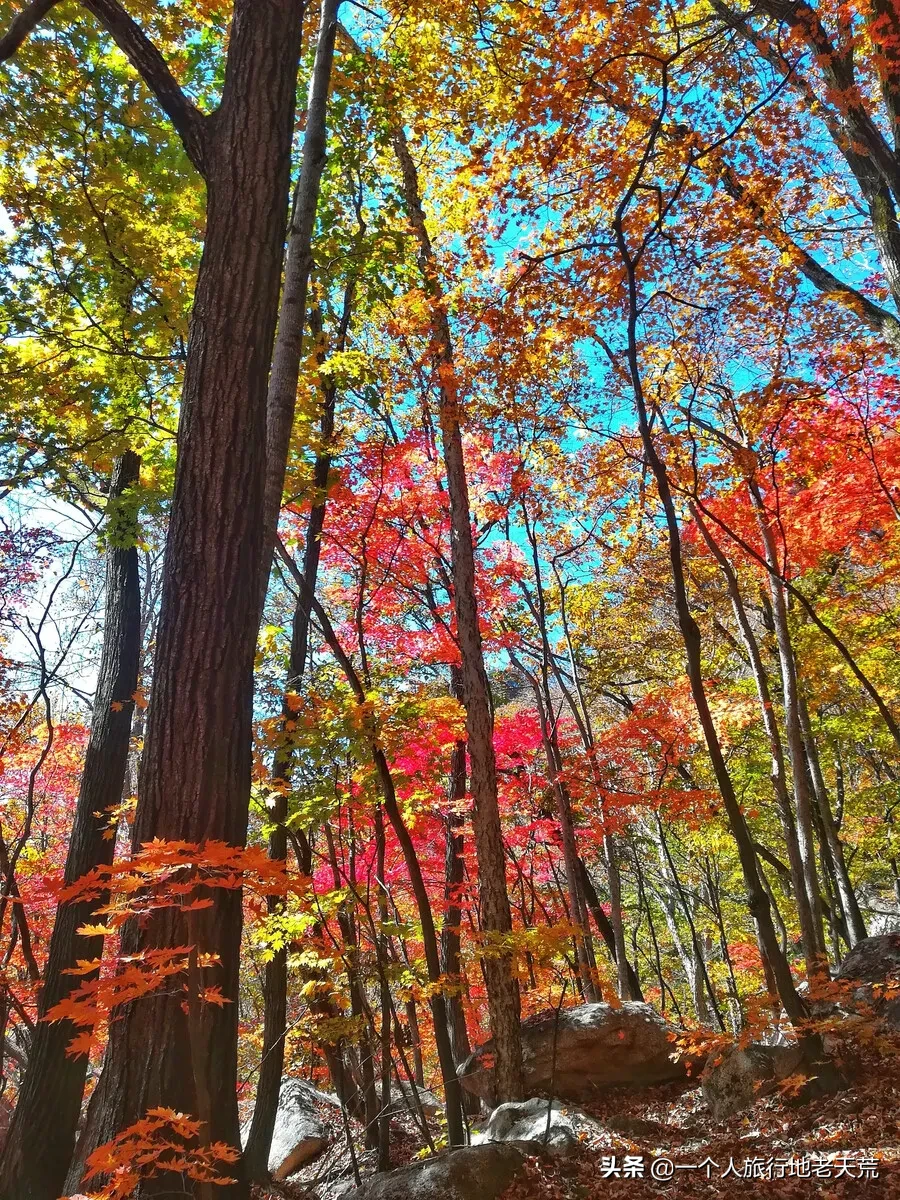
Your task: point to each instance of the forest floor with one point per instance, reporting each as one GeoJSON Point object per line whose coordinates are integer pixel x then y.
{"type": "Point", "coordinates": [834, 1147]}
{"type": "Point", "coordinates": [839, 1139]}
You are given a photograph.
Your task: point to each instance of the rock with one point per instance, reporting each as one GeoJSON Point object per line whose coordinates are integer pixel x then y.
{"type": "Point", "coordinates": [315, 1096]}
{"type": "Point", "coordinates": [403, 1100]}
{"type": "Point", "coordinates": [472, 1173]}
{"type": "Point", "coordinates": [871, 963]}
{"type": "Point", "coordinates": [526, 1121]}
{"type": "Point", "coordinates": [735, 1077]}
{"type": "Point", "coordinates": [598, 1046]}
{"type": "Point", "coordinates": [872, 959]}
{"type": "Point", "coordinates": [299, 1134]}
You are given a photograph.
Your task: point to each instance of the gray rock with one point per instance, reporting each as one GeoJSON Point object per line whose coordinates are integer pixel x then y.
{"type": "Point", "coordinates": [735, 1077]}
{"type": "Point", "coordinates": [872, 962]}
{"type": "Point", "coordinates": [314, 1095]}
{"type": "Point", "coordinates": [299, 1134]}
{"type": "Point", "coordinates": [472, 1173]}
{"type": "Point", "coordinates": [526, 1121]}
{"type": "Point", "coordinates": [403, 1100]}
{"type": "Point", "coordinates": [598, 1046]}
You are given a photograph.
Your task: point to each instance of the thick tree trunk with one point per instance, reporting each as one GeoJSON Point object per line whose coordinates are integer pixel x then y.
{"type": "Point", "coordinates": [496, 918]}
{"type": "Point", "coordinates": [195, 773]}
{"type": "Point", "coordinates": [50, 1096]}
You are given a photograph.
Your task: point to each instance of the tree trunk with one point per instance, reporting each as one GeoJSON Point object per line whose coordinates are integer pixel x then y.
{"type": "Point", "coordinates": [259, 1141]}
{"type": "Point", "coordinates": [381, 944]}
{"type": "Point", "coordinates": [50, 1096]}
{"type": "Point", "coordinates": [496, 918]}
{"type": "Point", "coordinates": [770, 725]}
{"type": "Point", "coordinates": [574, 897]}
{"type": "Point", "coordinates": [813, 935]}
{"type": "Point", "coordinates": [454, 875]}
{"type": "Point", "coordinates": [584, 949]}
{"type": "Point", "coordinates": [358, 1004]}
{"type": "Point", "coordinates": [626, 979]}
{"type": "Point", "coordinates": [452, 1087]}
{"type": "Point", "coordinates": [195, 773]}
{"type": "Point", "coordinates": [607, 932]}
{"type": "Point", "coordinates": [757, 900]}
{"type": "Point", "coordinates": [856, 926]}
{"type": "Point", "coordinates": [285, 373]}
{"type": "Point", "coordinates": [698, 974]}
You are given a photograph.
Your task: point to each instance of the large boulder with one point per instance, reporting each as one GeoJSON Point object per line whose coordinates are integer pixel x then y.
{"type": "Point", "coordinates": [526, 1121]}
{"type": "Point", "coordinates": [874, 963]}
{"type": "Point", "coordinates": [733, 1078]}
{"type": "Point", "coordinates": [598, 1046]}
{"type": "Point", "coordinates": [299, 1133]}
{"type": "Point", "coordinates": [472, 1173]}
{"type": "Point", "coordinates": [403, 1100]}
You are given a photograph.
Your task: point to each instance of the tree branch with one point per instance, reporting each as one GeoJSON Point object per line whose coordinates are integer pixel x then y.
{"type": "Point", "coordinates": [22, 25]}
{"type": "Point", "coordinates": [153, 69]}
{"type": "Point", "coordinates": [881, 320]}
{"type": "Point", "coordinates": [143, 55]}
{"type": "Point", "coordinates": [837, 71]}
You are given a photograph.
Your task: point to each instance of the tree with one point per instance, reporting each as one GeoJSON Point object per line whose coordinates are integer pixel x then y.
{"type": "Point", "coordinates": [503, 992]}
{"type": "Point", "coordinates": [195, 772]}
{"type": "Point", "coordinates": [53, 1082]}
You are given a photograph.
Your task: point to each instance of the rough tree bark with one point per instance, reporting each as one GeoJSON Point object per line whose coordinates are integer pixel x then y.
{"type": "Point", "coordinates": [195, 772]}
{"type": "Point", "coordinates": [53, 1084]}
